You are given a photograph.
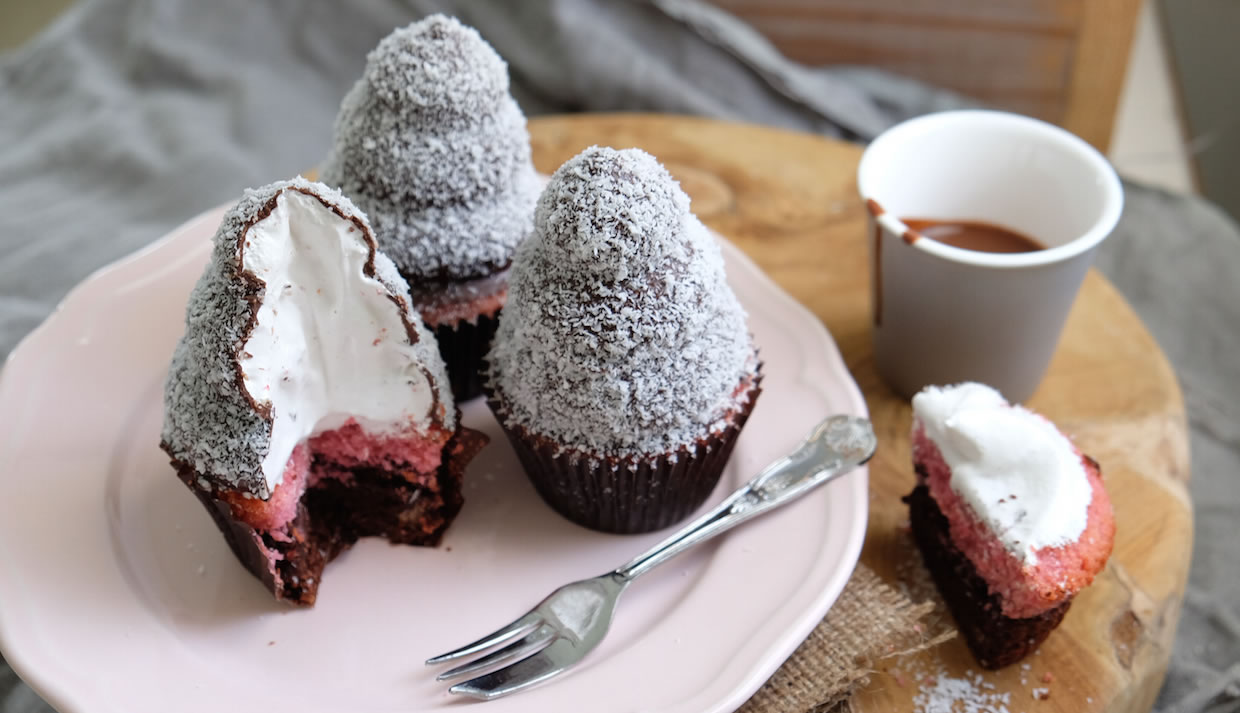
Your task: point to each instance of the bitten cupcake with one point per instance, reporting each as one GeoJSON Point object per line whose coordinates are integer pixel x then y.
{"type": "Point", "coordinates": [305, 405]}
{"type": "Point", "coordinates": [622, 370]}
{"type": "Point", "coordinates": [432, 147]}
{"type": "Point", "coordinates": [1011, 518]}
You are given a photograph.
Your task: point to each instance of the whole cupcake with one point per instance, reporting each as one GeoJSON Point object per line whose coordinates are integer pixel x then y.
{"type": "Point", "coordinates": [432, 147]}
{"type": "Point", "coordinates": [622, 370]}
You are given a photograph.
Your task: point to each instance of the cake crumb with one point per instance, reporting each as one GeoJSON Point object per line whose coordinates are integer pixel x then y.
{"type": "Point", "coordinates": [271, 643]}
{"type": "Point", "coordinates": [1040, 694]}
{"type": "Point", "coordinates": [1048, 677]}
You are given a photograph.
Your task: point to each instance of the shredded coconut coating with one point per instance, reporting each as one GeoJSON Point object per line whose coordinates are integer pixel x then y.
{"type": "Point", "coordinates": [209, 422]}
{"type": "Point", "coordinates": [621, 336]}
{"type": "Point", "coordinates": [431, 145]}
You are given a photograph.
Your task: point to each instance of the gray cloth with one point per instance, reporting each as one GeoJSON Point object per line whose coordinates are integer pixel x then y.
{"type": "Point", "coordinates": [129, 116]}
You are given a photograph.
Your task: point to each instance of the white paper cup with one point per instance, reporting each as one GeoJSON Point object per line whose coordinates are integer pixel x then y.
{"type": "Point", "coordinates": [944, 314]}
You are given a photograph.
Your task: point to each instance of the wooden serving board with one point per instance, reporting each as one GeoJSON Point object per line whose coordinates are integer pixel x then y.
{"type": "Point", "coordinates": [790, 201]}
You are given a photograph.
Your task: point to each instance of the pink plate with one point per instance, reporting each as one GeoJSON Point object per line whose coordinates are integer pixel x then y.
{"type": "Point", "coordinates": [118, 594]}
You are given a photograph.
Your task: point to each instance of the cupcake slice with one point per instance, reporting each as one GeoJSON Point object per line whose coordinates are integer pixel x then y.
{"type": "Point", "coordinates": [622, 371]}
{"type": "Point", "coordinates": [305, 405]}
{"type": "Point", "coordinates": [431, 145]}
{"type": "Point", "coordinates": [1012, 520]}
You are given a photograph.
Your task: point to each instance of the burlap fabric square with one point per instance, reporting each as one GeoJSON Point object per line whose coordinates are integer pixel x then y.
{"type": "Point", "coordinates": [870, 622]}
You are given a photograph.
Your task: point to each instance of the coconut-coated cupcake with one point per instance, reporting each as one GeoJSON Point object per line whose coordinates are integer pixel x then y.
{"type": "Point", "coordinates": [622, 370]}
{"type": "Point", "coordinates": [430, 144]}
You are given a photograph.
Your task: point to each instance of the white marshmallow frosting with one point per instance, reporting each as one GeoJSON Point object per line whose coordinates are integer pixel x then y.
{"type": "Point", "coordinates": [1017, 472]}
{"type": "Point", "coordinates": [328, 343]}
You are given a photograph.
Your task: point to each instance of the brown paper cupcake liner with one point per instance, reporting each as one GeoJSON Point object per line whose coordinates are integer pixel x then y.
{"type": "Point", "coordinates": [994, 639]}
{"type": "Point", "coordinates": [632, 494]}
{"type": "Point", "coordinates": [463, 346]}
{"type": "Point", "coordinates": [463, 315]}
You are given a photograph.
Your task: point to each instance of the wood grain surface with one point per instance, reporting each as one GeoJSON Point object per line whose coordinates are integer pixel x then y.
{"type": "Point", "coordinates": [790, 202]}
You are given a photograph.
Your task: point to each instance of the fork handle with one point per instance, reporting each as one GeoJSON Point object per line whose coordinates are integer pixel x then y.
{"type": "Point", "coordinates": [834, 447]}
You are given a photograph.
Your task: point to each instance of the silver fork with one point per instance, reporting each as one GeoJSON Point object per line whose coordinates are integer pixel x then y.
{"type": "Point", "coordinates": [572, 620]}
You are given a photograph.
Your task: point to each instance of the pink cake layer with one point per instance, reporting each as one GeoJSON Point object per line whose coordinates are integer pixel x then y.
{"type": "Point", "coordinates": [332, 454]}
{"type": "Point", "coordinates": [1024, 590]}
{"type": "Point", "coordinates": [467, 309]}
{"type": "Point", "coordinates": [351, 446]}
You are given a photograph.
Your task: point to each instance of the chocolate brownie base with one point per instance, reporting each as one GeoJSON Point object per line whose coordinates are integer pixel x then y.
{"type": "Point", "coordinates": [463, 346]}
{"type": "Point", "coordinates": [995, 640]}
{"type": "Point", "coordinates": [334, 513]}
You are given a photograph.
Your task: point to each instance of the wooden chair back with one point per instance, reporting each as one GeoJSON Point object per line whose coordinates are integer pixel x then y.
{"type": "Point", "coordinates": [1059, 60]}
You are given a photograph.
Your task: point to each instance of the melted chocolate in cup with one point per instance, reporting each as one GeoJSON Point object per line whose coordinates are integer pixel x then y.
{"type": "Point", "coordinates": [973, 235]}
